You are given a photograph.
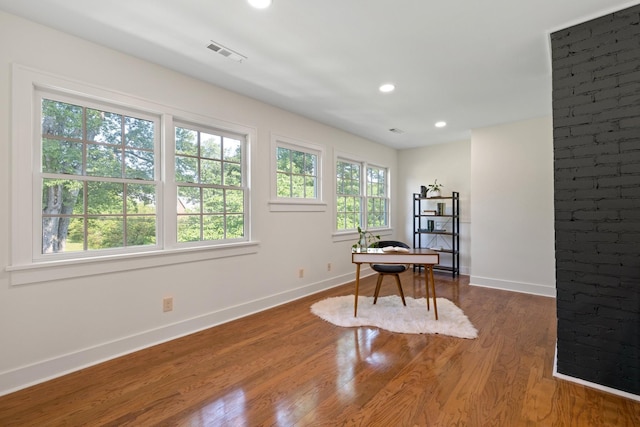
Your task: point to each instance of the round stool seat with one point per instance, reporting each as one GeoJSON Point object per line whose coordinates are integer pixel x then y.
{"type": "Point", "coordinates": [389, 268]}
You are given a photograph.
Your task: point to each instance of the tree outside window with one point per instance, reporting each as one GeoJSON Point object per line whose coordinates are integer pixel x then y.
{"type": "Point", "coordinates": [209, 177]}
{"type": "Point", "coordinates": [361, 202]}
{"type": "Point", "coordinates": [97, 178]}
{"type": "Point", "coordinates": [296, 174]}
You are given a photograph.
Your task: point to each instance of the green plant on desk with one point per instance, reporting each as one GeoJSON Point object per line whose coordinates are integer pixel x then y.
{"type": "Point", "coordinates": [366, 239]}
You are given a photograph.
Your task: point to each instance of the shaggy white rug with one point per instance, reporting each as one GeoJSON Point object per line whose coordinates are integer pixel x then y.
{"type": "Point", "coordinates": [389, 313]}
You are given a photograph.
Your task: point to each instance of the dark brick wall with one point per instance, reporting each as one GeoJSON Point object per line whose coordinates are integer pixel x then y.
{"type": "Point", "coordinates": [596, 119]}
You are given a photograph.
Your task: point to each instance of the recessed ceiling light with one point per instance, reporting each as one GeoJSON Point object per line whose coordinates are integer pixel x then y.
{"type": "Point", "coordinates": [260, 4]}
{"type": "Point", "coordinates": [387, 87]}
{"type": "Point", "coordinates": [441, 124]}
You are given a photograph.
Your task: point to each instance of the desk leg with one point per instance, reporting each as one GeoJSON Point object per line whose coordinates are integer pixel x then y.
{"type": "Point", "coordinates": [426, 283]}
{"type": "Point", "coordinates": [433, 288]}
{"type": "Point", "coordinates": [355, 303]}
{"type": "Point", "coordinates": [428, 277]}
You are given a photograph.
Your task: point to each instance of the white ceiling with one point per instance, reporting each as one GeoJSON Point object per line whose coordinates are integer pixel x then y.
{"type": "Point", "coordinates": [472, 63]}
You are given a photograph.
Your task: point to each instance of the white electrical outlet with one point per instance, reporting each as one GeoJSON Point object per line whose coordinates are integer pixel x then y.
{"type": "Point", "coordinates": [301, 273]}
{"type": "Point", "coordinates": [167, 304]}
{"type": "Point", "coordinates": [328, 266]}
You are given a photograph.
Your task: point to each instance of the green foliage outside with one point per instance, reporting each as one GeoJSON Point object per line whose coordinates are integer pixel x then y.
{"type": "Point", "coordinates": [349, 199]}
{"type": "Point", "coordinates": [297, 175]}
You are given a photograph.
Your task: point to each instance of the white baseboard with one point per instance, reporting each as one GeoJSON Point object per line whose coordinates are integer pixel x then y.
{"type": "Point", "coordinates": [26, 376]}
{"type": "Point", "coordinates": [590, 384]}
{"type": "Point", "coordinates": [526, 288]}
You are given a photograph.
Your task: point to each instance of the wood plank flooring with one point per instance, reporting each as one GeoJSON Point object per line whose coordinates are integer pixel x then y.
{"type": "Point", "coordinates": [286, 367]}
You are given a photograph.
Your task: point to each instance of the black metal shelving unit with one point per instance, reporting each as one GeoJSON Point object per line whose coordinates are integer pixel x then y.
{"type": "Point", "coordinates": [442, 234]}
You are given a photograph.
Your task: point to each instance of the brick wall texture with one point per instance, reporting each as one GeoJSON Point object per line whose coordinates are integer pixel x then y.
{"type": "Point", "coordinates": [596, 119]}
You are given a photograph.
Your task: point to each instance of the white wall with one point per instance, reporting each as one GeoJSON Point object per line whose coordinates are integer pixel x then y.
{"type": "Point", "coordinates": [50, 328]}
{"type": "Point", "coordinates": [450, 164]}
{"type": "Point", "coordinates": [512, 238]}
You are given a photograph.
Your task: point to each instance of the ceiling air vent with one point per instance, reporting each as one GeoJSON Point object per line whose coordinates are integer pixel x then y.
{"type": "Point", "coordinates": [226, 52]}
{"type": "Point", "coordinates": [396, 130]}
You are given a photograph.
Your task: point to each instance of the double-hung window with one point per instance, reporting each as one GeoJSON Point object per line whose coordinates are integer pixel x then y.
{"type": "Point", "coordinates": [211, 195]}
{"type": "Point", "coordinates": [98, 176]}
{"type": "Point", "coordinates": [377, 197]}
{"type": "Point", "coordinates": [362, 195]}
{"type": "Point", "coordinates": [296, 175]}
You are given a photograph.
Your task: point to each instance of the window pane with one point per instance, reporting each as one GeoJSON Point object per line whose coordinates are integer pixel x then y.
{"type": "Point", "coordinates": [297, 162]}
{"type": "Point", "coordinates": [62, 197]}
{"type": "Point", "coordinates": [188, 228]}
{"type": "Point", "coordinates": [141, 199]}
{"type": "Point", "coordinates": [210, 146]}
{"type": "Point", "coordinates": [188, 200]}
{"type": "Point", "coordinates": [235, 201]}
{"type": "Point", "coordinates": [186, 142]}
{"type": "Point", "coordinates": [283, 156]}
{"type": "Point", "coordinates": [61, 119]}
{"type": "Point", "coordinates": [52, 241]}
{"type": "Point", "coordinates": [283, 183]}
{"type": "Point", "coordinates": [311, 161]}
{"type": "Point", "coordinates": [104, 161]}
{"type": "Point", "coordinates": [211, 172]}
{"type": "Point", "coordinates": [75, 236]}
{"type": "Point", "coordinates": [139, 133]}
{"type": "Point", "coordinates": [213, 227]}
{"type": "Point", "coordinates": [297, 186]}
{"type": "Point", "coordinates": [232, 150]}
{"type": "Point", "coordinates": [213, 200]}
{"type": "Point", "coordinates": [141, 230]}
{"type": "Point", "coordinates": [59, 156]}
{"type": "Point", "coordinates": [105, 232]}
{"type": "Point", "coordinates": [104, 127]}
{"type": "Point", "coordinates": [310, 188]}
{"type": "Point", "coordinates": [139, 164]}
{"type": "Point", "coordinates": [105, 198]}
{"type": "Point", "coordinates": [235, 226]}
{"type": "Point", "coordinates": [186, 169]}
{"type": "Point", "coordinates": [232, 175]}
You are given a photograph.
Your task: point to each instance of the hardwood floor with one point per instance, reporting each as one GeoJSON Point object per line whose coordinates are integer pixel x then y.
{"type": "Point", "coordinates": [286, 367]}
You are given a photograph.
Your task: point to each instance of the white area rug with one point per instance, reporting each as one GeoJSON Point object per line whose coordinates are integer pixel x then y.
{"type": "Point", "coordinates": [389, 313]}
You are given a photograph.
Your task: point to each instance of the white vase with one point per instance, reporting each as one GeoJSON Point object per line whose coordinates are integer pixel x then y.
{"type": "Point", "coordinates": [433, 193]}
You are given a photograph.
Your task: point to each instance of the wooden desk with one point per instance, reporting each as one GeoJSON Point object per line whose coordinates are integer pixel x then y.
{"type": "Point", "coordinates": [425, 257]}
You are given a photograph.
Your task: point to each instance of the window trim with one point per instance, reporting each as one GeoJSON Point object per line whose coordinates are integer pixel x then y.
{"type": "Point", "coordinates": [291, 204]}
{"type": "Point", "coordinates": [40, 93]}
{"type": "Point", "coordinates": [24, 267]}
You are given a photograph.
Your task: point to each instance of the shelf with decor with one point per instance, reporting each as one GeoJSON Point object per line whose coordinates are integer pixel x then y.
{"type": "Point", "coordinates": [436, 226]}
